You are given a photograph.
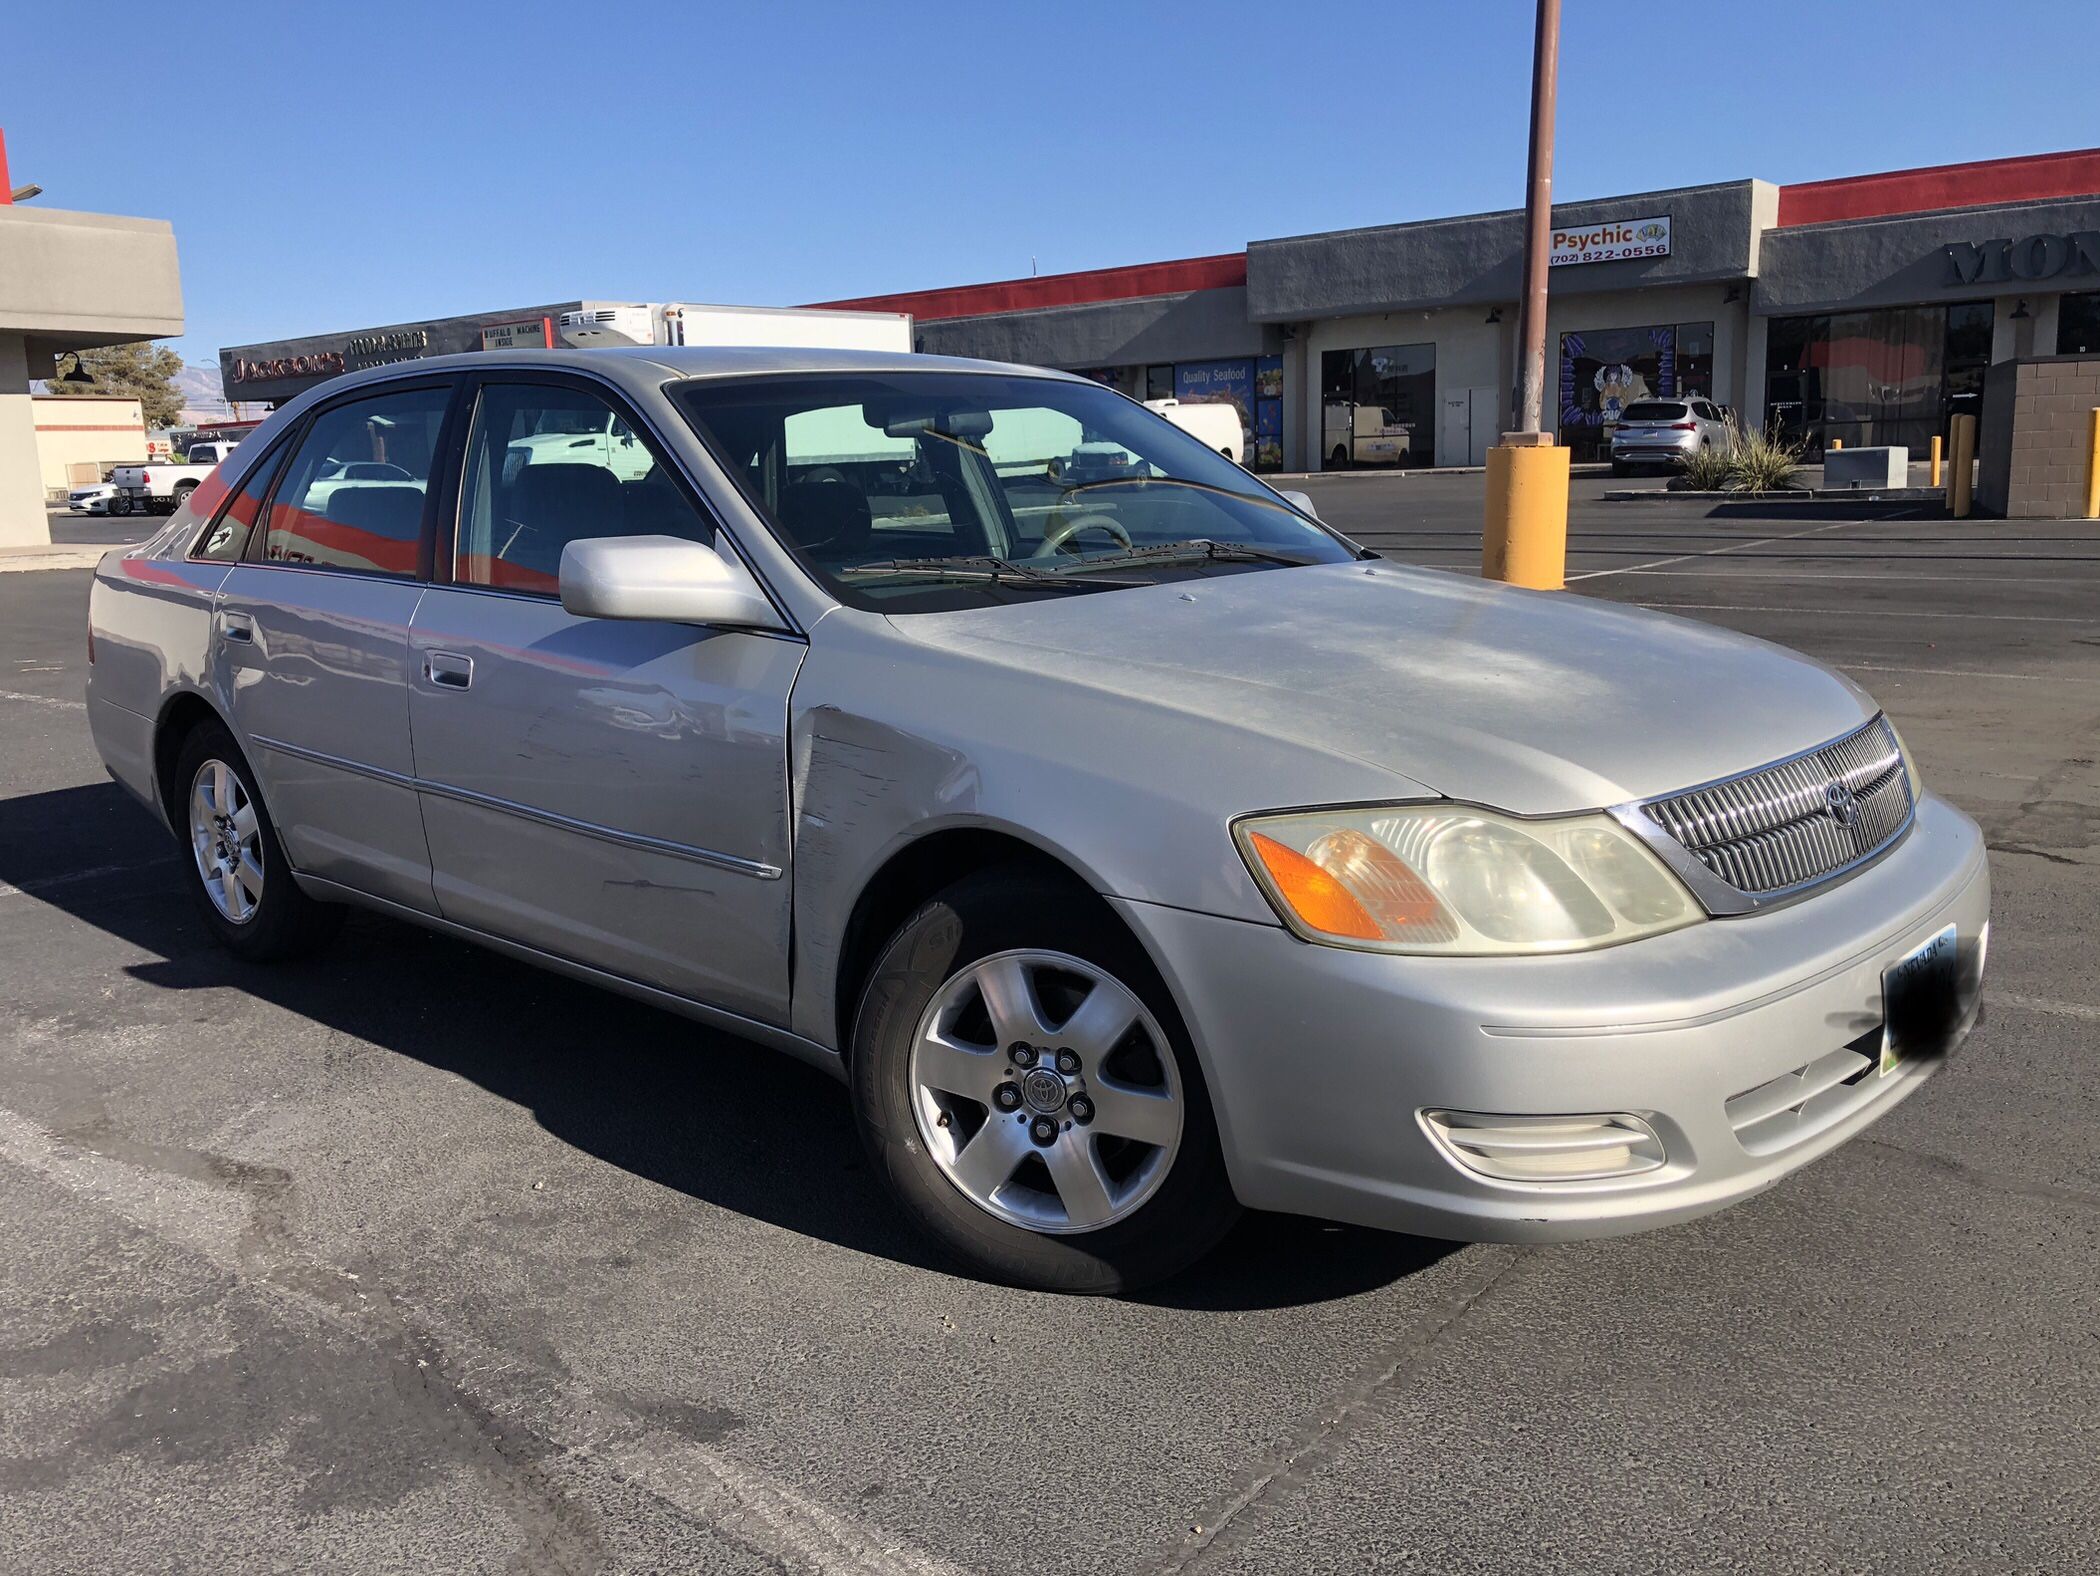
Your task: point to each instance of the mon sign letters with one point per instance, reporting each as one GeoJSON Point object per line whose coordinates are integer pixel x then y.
{"type": "Point", "coordinates": [2030, 257]}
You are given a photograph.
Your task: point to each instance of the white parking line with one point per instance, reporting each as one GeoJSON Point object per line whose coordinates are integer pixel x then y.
{"type": "Point", "coordinates": [2048, 1004]}
{"type": "Point", "coordinates": [198, 1205]}
{"type": "Point", "coordinates": [1855, 611]}
{"type": "Point", "coordinates": [43, 700]}
{"type": "Point", "coordinates": [1962, 673]}
{"type": "Point", "coordinates": [1871, 574]}
{"type": "Point", "coordinates": [31, 888]}
{"type": "Point", "coordinates": [1716, 552]}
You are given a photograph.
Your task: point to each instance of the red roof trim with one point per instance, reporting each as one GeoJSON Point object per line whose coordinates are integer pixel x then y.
{"type": "Point", "coordinates": [1220, 272]}
{"type": "Point", "coordinates": [2034, 178]}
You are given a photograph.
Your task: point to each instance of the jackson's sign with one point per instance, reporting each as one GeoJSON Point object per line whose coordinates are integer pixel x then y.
{"type": "Point", "coordinates": [2030, 257]}
{"type": "Point", "coordinates": [1606, 243]}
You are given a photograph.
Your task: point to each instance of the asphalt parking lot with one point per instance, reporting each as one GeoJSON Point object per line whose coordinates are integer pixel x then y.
{"type": "Point", "coordinates": [412, 1258]}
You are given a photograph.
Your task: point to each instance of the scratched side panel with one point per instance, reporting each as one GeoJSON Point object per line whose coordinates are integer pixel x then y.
{"type": "Point", "coordinates": [655, 745]}
{"type": "Point", "coordinates": [894, 739]}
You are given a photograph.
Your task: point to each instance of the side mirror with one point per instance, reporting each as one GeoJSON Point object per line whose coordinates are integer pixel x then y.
{"type": "Point", "coordinates": [661, 577]}
{"type": "Point", "coordinates": [1302, 502]}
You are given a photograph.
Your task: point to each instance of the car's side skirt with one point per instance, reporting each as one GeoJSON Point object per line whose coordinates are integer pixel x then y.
{"type": "Point", "coordinates": [769, 1035]}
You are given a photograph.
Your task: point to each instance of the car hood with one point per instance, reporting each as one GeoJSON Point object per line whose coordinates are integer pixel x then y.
{"type": "Point", "coordinates": [1534, 702]}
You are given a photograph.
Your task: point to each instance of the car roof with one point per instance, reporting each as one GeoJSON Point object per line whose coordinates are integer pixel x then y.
{"type": "Point", "coordinates": [638, 365]}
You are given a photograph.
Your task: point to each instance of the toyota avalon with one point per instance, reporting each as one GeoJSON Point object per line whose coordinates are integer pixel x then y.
{"type": "Point", "coordinates": [1132, 846]}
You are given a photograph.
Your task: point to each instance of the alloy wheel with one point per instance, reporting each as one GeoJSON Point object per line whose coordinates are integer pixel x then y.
{"type": "Point", "coordinates": [1046, 1092]}
{"type": "Point", "coordinates": [226, 837]}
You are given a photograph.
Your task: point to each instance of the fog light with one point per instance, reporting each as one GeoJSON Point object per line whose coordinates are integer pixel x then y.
{"type": "Point", "coordinates": [1546, 1148]}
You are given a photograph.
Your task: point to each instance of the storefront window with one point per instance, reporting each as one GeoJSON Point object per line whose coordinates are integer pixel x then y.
{"type": "Point", "coordinates": [2078, 324]}
{"type": "Point", "coordinates": [1159, 382]}
{"type": "Point", "coordinates": [1221, 383]}
{"type": "Point", "coordinates": [1602, 371]}
{"type": "Point", "coordinates": [1379, 406]}
{"type": "Point", "coordinates": [1875, 378]}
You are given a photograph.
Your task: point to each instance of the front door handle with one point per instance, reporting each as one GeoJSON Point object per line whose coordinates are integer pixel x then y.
{"type": "Point", "coordinates": [237, 626]}
{"type": "Point", "coordinates": [448, 669]}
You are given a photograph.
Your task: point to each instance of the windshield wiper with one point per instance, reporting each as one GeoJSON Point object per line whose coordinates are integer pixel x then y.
{"type": "Point", "coordinates": [1178, 481]}
{"type": "Point", "coordinates": [969, 569]}
{"type": "Point", "coordinates": [1196, 547]}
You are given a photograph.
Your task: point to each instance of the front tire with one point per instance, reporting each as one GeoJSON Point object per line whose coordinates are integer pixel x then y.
{"type": "Point", "coordinates": [240, 877]}
{"type": "Point", "coordinates": [1025, 1088]}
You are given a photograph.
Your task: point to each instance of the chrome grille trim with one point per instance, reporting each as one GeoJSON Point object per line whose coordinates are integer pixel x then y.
{"type": "Point", "coordinates": [1772, 834]}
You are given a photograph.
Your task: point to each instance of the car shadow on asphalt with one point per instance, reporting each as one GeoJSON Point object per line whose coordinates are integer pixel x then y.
{"type": "Point", "coordinates": [679, 1104]}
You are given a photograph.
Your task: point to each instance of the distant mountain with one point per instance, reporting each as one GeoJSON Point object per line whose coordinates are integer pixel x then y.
{"type": "Point", "coordinates": [202, 394]}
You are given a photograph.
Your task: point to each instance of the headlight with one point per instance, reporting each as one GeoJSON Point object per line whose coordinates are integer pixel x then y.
{"type": "Point", "coordinates": [1452, 879]}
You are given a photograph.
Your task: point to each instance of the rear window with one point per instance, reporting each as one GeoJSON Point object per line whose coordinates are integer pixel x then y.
{"type": "Point", "coordinates": [1654, 410]}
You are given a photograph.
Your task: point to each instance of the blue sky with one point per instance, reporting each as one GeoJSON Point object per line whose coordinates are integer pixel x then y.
{"type": "Point", "coordinates": [337, 166]}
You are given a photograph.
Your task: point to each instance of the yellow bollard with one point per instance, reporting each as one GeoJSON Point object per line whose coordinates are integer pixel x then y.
{"type": "Point", "coordinates": [1835, 443]}
{"type": "Point", "coordinates": [1525, 541]}
{"type": "Point", "coordinates": [1961, 485]}
{"type": "Point", "coordinates": [1935, 459]}
{"type": "Point", "coordinates": [2092, 468]}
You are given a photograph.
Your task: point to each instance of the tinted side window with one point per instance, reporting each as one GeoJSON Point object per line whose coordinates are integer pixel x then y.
{"type": "Point", "coordinates": [352, 497]}
{"type": "Point", "coordinates": [548, 466]}
{"type": "Point", "coordinates": [227, 537]}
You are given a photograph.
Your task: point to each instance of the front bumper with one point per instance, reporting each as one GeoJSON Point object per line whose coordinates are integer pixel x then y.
{"type": "Point", "coordinates": [1320, 1060]}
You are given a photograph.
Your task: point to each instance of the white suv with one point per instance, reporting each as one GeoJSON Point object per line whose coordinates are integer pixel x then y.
{"type": "Point", "coordinates": [1667, 432]}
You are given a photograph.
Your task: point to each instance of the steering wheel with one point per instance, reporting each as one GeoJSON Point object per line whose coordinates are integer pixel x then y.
{"type": "Point", "coordinates": [1058, 535]}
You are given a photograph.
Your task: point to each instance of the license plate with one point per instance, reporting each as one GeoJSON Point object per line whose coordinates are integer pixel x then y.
{"type": "Point", "coordinates": [1920, 1001]}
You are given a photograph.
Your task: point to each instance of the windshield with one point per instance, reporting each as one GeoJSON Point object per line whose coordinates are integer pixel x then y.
{"type": "Point", "coordinates": [1653, 410]}
{"type": "Point", "coordinates": [913, 491]}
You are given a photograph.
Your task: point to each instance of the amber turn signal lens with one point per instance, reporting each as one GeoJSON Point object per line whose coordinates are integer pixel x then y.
{"type": "Point", "coordinates": [1320, 902]}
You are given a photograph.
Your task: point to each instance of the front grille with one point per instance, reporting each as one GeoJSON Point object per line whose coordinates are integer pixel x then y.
{"type": "Point", "coordinates": [1799, 821]}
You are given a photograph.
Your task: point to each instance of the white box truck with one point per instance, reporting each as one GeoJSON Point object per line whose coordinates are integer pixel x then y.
{"type": "Point", "coordinates": [677, 323]}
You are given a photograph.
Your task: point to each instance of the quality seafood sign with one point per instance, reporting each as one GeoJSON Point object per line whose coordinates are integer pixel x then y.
{"type": "Point", "coordinates": [1610, 243]}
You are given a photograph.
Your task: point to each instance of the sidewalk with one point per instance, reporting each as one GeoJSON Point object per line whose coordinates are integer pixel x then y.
{"type": "Point", "coordinates": [57, 555]}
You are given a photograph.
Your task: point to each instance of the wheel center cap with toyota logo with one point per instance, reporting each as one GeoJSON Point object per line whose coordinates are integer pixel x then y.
{"type": "Point", "coordinates": [1043, 1090]}
{"type": "Point", "coordinates": [1843, 805]}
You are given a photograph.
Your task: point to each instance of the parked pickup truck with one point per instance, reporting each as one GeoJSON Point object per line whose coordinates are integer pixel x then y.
{"type": "Point", "coordinates": [159, 487]}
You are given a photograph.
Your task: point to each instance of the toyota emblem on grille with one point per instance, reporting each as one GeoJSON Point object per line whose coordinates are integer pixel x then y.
{"type": "Point", "coordinates": [1842, 803]}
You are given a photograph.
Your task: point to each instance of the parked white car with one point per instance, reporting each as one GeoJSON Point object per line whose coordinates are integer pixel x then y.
{"type": "Point", "coordinates": [1214, 422]}
{"type": "Point", "coordinates": [92, 499]}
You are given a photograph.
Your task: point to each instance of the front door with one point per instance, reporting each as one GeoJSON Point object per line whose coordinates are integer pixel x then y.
{"type": "Point", "coordinates": [311, 638]}
{"type": "Point", "coordinates": [612, 792]}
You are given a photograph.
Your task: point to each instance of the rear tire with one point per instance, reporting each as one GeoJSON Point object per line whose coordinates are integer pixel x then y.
{"type": "Point", "coordinates": [182, 495]}
{"type": "Point", "coordinates": [1339, 460]}
{"type": "Point", "coordinates": [1085, 1206]}
{"type": "Point", "coordinates": [238, 873]}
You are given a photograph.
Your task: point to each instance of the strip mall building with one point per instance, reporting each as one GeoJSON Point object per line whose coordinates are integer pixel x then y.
{"type": "Point", "coordinates": [1865, 309]}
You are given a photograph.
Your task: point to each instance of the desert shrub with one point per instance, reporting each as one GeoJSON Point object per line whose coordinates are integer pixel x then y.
{"type": "Point", "coordinates": [1761, 461]}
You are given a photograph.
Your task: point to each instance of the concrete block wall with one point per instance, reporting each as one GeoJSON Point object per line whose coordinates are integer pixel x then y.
{"type": "Point", "coordinates": [2039, 414]}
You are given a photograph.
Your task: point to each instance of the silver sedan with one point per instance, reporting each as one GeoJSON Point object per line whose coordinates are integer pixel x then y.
{"type": "Point", "coordinates": [1134, 847]}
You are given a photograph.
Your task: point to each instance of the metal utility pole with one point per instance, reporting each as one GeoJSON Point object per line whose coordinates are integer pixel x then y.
{"type": "Point", "coordinates": [1538, 222]}
{"type": "Point", "coordinates": [1524, 536]}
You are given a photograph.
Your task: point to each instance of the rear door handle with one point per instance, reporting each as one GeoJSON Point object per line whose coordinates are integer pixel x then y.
{"type": "Point", "coordinates": [448, 669]}
{"type": "Point", "coordinates": [237, 626]}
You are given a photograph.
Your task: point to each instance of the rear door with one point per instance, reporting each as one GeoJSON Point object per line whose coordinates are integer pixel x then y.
{"type": "Point", "coordinates": [610, 791]}
{"type": "Point", "coordinates": [311, 638]}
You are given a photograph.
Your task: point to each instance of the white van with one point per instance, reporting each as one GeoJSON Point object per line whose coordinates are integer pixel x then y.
{"type": "Point", "coordinates": [1216, 423]}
